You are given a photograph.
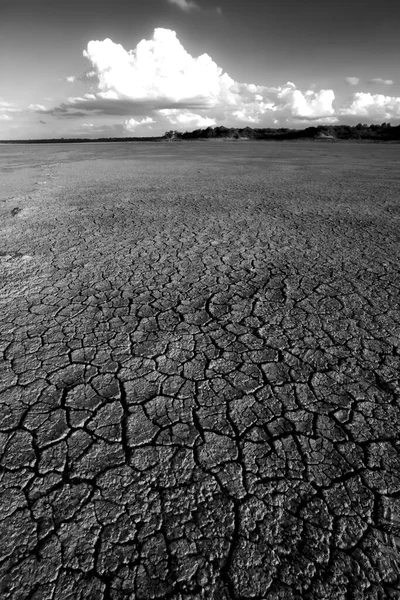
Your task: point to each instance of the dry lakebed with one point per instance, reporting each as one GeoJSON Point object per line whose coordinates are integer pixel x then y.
{"type": "Point", "coordinates": [199, 377]}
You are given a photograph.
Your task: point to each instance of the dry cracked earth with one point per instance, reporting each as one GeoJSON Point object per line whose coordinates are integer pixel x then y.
{"type": "Point", "coordinates": [200, 372]}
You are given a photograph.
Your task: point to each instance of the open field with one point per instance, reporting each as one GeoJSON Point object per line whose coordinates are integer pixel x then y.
{"type": "Point", "coordinates": [200, 380]}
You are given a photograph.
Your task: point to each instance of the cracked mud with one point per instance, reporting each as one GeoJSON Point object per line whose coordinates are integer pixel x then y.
{"type": "Point", "coordinates": [200, 372]}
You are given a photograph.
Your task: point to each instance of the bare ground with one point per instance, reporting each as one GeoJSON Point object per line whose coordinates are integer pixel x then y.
{"type": "Point", "coordinates": [200, 376]}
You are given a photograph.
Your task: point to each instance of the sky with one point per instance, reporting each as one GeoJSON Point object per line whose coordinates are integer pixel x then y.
{"type": "Point", "coordinates": [97, 68]}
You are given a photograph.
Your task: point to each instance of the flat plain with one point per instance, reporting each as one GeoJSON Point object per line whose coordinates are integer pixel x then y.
{"type": "Point", "coordinates": [199, 385]}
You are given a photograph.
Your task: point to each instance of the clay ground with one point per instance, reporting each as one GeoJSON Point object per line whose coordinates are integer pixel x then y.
{"type": "Point", "coordinates": [199, 385]}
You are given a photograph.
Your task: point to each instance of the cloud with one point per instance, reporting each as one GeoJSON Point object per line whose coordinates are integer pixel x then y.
{"type": "Point", "coordinates": [71, 78]}
{"type": "Point", "coordinates": [246, 115]}
{"type": "Point", "coordinates": [160, 70]}
{"type": "Point", "coordinates": [379, 81]}
{"type": "Point", "coordinates": [185, 118]}
{"type": "Point", "coordinates": [373, 106]}
{"type": "Point", "coordinates": [352, 80]}
{"type": "Point", "coordinates": [132, 124]}
{"type": "Point", "coordinates": [7, 110]}
{"type": "Point", "coordinates": [87, 75]}
{"type": "Point", "coordinates": [78, 99]}
{"type": "Point", "coordinates": [159, 75]}
{"type": "Point", "coordinates": [159, 82]}
{"type": "Point", "coordinates": [185, 5]}
{"type": "Point", "coordinates": [309, 105]}
{"type": "Point", "coordinates": [7, 107]}
{"type": "Point", "coordinates": [39, 108]}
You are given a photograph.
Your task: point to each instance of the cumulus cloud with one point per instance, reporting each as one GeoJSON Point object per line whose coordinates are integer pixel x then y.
{"type": "Point", "coordinates": [246, 115]}
{"type": "Point", "coordinates": [159, 70]}
{"type": "Point", "coordinates": [379, 81]}
{"type": "Point", "coordinates": [159, 75]}
{"type": "Point", "coordinates": [37, 108]}
{"type": "Point", "coordinates": [186, 118]}
{"type": "Point", "coordinates": [352, 80]}
{"type": "Point", "coordinates": [159, 80]}
{"type": "Point", "coordinates": [132, 124]}
{"type": "Point", "coordinates": [4, 117]}
{"type": "Point", "coordinates": [309, 105]}
{"type": "Point", "coordinates": [374, 106]}
{"type": "Point", "coordinates": [71, 78]}
{"type": "Point", "coordinates": [185, 5]}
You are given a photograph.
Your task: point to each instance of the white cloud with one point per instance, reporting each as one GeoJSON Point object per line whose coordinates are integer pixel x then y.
{"type": "Point", "coordinates": [319, 121]}
{"type": "Point", "coordinates": [352, 80]}
{"type": "Point", "coordinates": [158, 69]}
{"type": "Point", "coordinates": [71, 78]}
{"type": "Point", "coordinates": [37, 108]}
{"type": "Point", "coordinates": [8, 107]}
{"type": "Point", "coordinates": [160, 74]}
{"type": "Point", "coordinates": [131, 124]}
{"type": "Point", "coordinates": [253, 108]}
{"type": "Point", "coordinates": [310, 105]}
{"type": "Point", "coordinates": [4, 117]}
{"type": "Point", "coordinates": [246, 115]}
{"type": "Point", "coordinates": [313, 105]}
{"type": "Point", "coordinates": [186, 118]}
{"type": "Point", "coordinates": [80, 99]}
{"type": "Point", "coordinates": [159, 80]}
{"type": "Point", "coordinates": [87, 125]}
{"type": "Point", "coordinates": [380, 81]}
{"type": "Point", "coordinates": [373, 106]}
{"type": "Point", "coordinates": [185, 5]}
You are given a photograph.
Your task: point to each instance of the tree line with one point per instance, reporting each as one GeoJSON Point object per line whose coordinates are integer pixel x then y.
{"type": "Point", "coordinates": [377, 133]}
{"type": "Point", "coordinates": [384, 132]}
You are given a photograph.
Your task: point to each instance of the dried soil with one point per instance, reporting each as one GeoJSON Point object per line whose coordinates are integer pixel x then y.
{"type": "Point", "coordinates": [199, 390]}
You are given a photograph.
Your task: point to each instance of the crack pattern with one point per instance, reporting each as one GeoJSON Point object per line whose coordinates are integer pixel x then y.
{"type": "Point", "coordinates": [199, 386]}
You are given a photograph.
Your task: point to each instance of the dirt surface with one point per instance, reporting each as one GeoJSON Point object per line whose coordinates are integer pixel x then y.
{"type": "Point", "coordinates": [200, 375]}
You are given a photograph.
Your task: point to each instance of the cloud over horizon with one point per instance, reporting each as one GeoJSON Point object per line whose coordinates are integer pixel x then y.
{"type": "Point", "coordinates": [158, 82]}
{"type": "Point", "coordinates": [310, 105]}
{"type": "Point", "coordinates": [132, 124]}
{"type": "Point", "coordinates": [161, 79]}
{"type": "Point", "coordinates": [373, 106]}
{"type": "Point", "coordinates": [186, 118]}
